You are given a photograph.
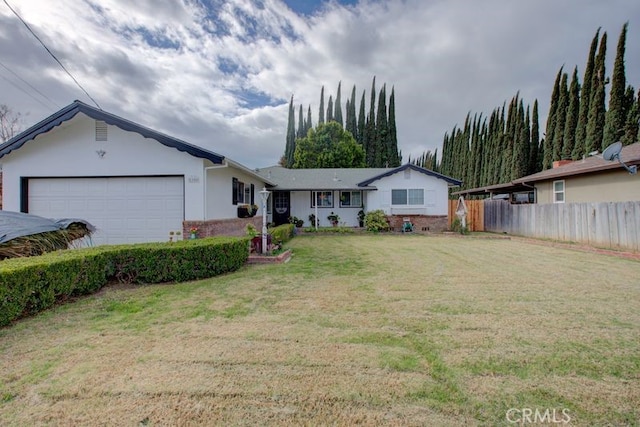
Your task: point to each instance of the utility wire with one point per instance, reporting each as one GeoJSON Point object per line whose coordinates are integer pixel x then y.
{"type": "Point", "coordinates": [51, 53]}
{"type": "Point", "coordinates": [26, 93]}
{"type": "Point", "coordinates": [29, 84]}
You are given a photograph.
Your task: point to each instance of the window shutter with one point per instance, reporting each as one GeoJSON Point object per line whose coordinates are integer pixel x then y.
{"type": "Point", "coordinates": [253, 190]}
{"type": "Point", "coordinates": [234, 187]}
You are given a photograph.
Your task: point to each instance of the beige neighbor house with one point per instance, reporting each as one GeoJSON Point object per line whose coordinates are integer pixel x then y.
{"type": "Point", "coordinates": [591, 179]}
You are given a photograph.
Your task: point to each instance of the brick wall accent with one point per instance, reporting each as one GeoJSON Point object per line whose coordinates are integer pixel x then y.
{"type": "Point", "coordinates": [421, 223]}
{"type": "Point", "coordinates": [221, 227]}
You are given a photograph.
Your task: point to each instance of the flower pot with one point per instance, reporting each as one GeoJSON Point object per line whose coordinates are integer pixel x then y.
{"type": "Point", "coordinates": [193, 236]}
{"type": "Point", "coordinates": [246, 212]}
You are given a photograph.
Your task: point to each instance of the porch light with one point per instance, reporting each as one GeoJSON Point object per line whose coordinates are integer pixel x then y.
{"type": "Point", "coordinates": [264, 194]}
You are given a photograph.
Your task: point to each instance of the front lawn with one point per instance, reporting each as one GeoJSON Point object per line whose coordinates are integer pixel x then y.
{"type": "Point", "coordinates": [370, 329]}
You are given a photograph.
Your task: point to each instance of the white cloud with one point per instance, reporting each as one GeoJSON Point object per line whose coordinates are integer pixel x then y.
{"type": "Point", "coordinates": [444, 58]}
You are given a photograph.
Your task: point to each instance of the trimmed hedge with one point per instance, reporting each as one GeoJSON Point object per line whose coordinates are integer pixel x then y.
{"type": "Point", "coordinates": [282, 233]}
{"type": "Point", "coordinates": [29, 285]}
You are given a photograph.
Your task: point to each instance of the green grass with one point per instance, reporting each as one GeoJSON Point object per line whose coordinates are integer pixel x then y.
{"type": "Point", "coordinates": [355, 329]}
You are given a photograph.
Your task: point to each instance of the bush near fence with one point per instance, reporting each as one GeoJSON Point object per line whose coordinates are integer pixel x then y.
{"type": "Point", "coordinates": [29, 285]}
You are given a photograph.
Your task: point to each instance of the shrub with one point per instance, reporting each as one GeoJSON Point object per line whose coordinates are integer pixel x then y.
{"type": "Point", "coordinates": [456, 226]}
{"type": "Point", "coordinates": [282, 233]}
{"type": "Point", "coordinates": [29, 285]}
{"type": "Point", "coordinates": [376, 221]}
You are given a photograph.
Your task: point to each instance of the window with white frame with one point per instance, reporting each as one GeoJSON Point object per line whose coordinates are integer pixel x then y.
{"type": "Point", "coordinates": [558, 191]}
{"type": "Point", "coordinates": [408, 196]}
{"type": "Point", "coordinates": [351, 199]}
{"type": "Point", "coordinates": [323, 199]}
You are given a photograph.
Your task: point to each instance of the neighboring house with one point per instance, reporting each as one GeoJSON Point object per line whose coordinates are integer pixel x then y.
{"type": "Point", "coordinates": [131, 182]}
{"type": "Point", "coordinates": [405, 191]}
{"type": "Point", "coordinates": [591, 179]}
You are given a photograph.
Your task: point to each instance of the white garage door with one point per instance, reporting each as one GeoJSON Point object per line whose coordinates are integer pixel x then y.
{"type": "Point", "coordinates": [124, 210]}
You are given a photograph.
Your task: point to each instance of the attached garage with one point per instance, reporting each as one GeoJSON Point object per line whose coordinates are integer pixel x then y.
{"type": "Point", "coordinates": [123, 209]}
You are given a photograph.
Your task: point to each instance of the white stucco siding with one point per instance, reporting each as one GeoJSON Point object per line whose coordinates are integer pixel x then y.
{"type": "Point", "coordinates": [435, 194]}
{"type": "Point", "coordinates": [71, 150]}
{"type": "Point", "coordinates": [219, 198]}
{"type": "Point", "coordinates": [301, 208]}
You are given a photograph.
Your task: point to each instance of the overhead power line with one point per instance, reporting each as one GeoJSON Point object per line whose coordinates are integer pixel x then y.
{"type": "Point", "coordinates": [28, 84]}
{"type": "Point", "coordinates": [51, 53]}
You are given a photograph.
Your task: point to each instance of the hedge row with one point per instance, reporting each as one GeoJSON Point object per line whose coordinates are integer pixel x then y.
{"type": "Point", "coordinates": [29, 285]}
{"type": "Point", "coordinates": [282, 233]}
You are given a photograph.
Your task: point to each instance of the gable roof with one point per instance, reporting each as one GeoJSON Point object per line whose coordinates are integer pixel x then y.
{"type": "Point", "coordinates": [70, 111]}
{"type": "Point", "coordinates": [336, 178]}
{"type": "Point", "coordinates": [630, 155]}
{"type": "Point", "coordinates": [451, 181]}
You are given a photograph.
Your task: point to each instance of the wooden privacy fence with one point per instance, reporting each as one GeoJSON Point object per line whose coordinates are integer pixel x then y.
{"type": "Point", "coordinates": [475, 214]}
{"type": "Point", "coordinates": [610, 225]}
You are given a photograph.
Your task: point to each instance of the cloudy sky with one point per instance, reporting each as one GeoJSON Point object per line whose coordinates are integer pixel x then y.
{"type": "Point", "coordinates": [220, 73]}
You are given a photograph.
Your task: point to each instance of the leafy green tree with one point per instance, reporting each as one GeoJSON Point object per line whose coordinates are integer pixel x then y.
{"type": "Point", "coordinates": [328, 146]}
{"type": "Point", "coordinates": [616, 116]}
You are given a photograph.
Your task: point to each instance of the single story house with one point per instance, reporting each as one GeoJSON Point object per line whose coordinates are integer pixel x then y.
{"type": "Point", "coordinates": [405, 191]}
{"type": "Point", "coordinates": [591, 179]}
{"type": "Point", "coordinates": [135, 184]}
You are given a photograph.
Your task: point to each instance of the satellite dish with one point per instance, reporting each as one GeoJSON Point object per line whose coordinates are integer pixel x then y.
{"type": "Point", "coordinates": [612, 151]}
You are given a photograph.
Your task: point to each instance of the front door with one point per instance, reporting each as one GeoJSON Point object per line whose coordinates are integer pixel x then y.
{"type": "Point", "coordinates": [281, 207]}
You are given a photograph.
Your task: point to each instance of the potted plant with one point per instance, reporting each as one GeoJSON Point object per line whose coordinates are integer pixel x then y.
{"type": "Point", "coordinates": [334, 219]}
{"type": "Point", "coordinates": [361, 216]}
{"type": "Point", "coordinates": [312, 220]}
{"type": "Point", "coordinates": [193, 233]}
{"type": "Point", "coordinates": [247, 211]}
{"type": "Point", "coordinates": [295, 221]}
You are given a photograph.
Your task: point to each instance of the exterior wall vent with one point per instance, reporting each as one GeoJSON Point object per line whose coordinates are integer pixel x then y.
{"type": "Point", "coordinates": [101, 131]}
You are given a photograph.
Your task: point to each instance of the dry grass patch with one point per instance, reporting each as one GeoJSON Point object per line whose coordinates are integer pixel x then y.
{"type": "Point", "coordinates": [394, 330]}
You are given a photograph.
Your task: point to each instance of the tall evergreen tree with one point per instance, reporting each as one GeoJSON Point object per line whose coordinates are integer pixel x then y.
{"type": "Point", "coordinates": [534, 165]}
{"type": "Point", "coordinates": [571, 122]}
{"type": "Point", "coordinates": [300, 133]}
{"type": "Point", "coordinates": [308, 124]}
{"type": "Point", "coordinates": [633, 116]}
{"type": "Point", "coordinates": [551, 123]}
{"type": "Point", "coordinates": [392, 152]}
{"type": "Point", "coordinates": [290, 145]}
{"type": "Point", "coordinates": [362, 121]}
{"type": "Point", "coordinates": [351, 123]}
{"type": "Point", "coordinates": [370, 131]}
{"type": "Point", "coordinates": [616, 115]}
{"type": "Point", "coordinates": [520, 160]}
{"type": "Point", "coordinates": [337, 116]}
{"type": "Point", "coordinates": [580, 145]}
{"type": "Point", "coordinates": [329, 116]}
{"type": "Point", "coordinates": [560, 118]}
{"type": "Point", "coordinates": [595, 123]}
{"type": "Point", "coordinates": [321, 110]}
{"type": "Point", "coordinates": [382, 131]}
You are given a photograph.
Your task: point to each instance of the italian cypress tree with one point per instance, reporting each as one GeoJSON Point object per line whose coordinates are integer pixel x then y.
{"type": "Point", "coordinates": [633, 116]}
{"type": "Point", "coordinates": [560, 118]}
{"type": "Point", "coordinates": [321, 110]}
{"type": "Point", "coordinates": [370, 132]}
{"type": "Point", "coordinates": [300, 133]}
{"type": "Point", "coordinates": [290, 145]}
{"type": "Point", "coordinates": [534, 165]}
{"type": "Point", "coordinates": [616, 115]}
{"type": "Point", "coordinates": [308, 124]}
{"type": "Point", "coordinates": [382, 130]}
{"type": "Point", "coordinates": [571, 122]}
{"type": "Point", "coordinates": [329, 116]}
{"type": "Point", "coordinates": [595, 123]}
{"type": "Point", "coordinates": [392, 154]}
{"type": "Point", "coordinates": [337, 116]}
{"type": "Point", "coordinates": [551, 123]}
{"type": "Point", "coordinates": [580, 145]}
{"type": "Point", "coordinates": [520, 160]}
{"type": "Point", "coordinates": [352, 122]}
{"type": "Point", "coordinates": [362, 121]}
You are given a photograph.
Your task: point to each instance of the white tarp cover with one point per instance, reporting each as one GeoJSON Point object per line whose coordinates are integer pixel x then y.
{"type": "Point", "coordinates": [17, 224]}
